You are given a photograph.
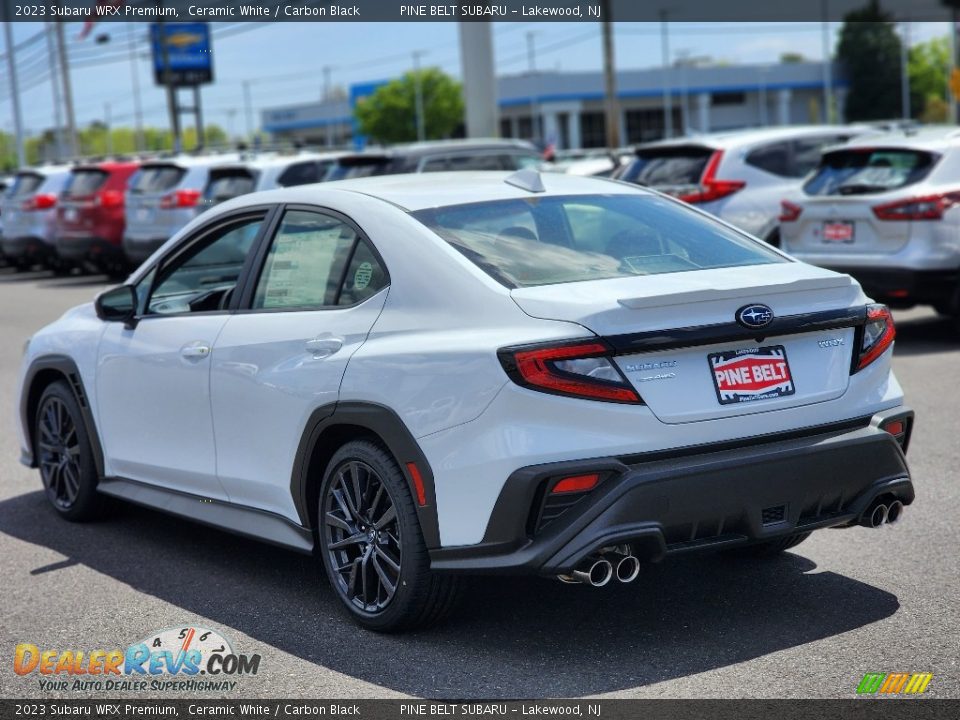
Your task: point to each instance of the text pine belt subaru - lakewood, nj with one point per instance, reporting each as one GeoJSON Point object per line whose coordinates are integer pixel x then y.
{"type": "Point", "coordinates": [425, 376]}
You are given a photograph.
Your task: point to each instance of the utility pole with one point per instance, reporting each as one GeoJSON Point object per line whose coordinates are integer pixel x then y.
{"type": "Point", "coordinates": [418, 93]}
{"type": "Point", "coordinates": [611, 106]}
{"type": "Point", "coordinates": [55, 87]}
{"type": "Point", "coordinates": [827, 67]}
{"type": "Point", "coordinates": [479, 80]}
{"type": "Point", "coordinates": [326, 81]}
{"type": "Point", "coordinates": [536, 129]}
{"type": "Point", "coordinates": [135, 81]}
{"type": "Point", "coordinates": [248, 109]}
{"type": "Point", "coordinates": [14, 89]}
{"type": "Point", "coordinates": [905, 70]}
{"type": "Point", "coordinates": [667, 102]}
{"type": "Point", "coordinates": [67, 92]}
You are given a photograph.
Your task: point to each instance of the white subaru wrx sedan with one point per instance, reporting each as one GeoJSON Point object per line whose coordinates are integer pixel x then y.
{"type": "Point", "coordinates": [419, 377]}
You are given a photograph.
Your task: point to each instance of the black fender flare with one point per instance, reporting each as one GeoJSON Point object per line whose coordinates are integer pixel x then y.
{"type": "Point", "coordinates": [387, 425]}
{"type": "Point", "coordinates": [67, 368]}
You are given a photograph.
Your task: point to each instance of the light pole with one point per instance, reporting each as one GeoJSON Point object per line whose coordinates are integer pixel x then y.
{"type": "Point", "coordinates": [248, 108]}
{"type": "Point", "coordinates": [667, 102]}
{"type": "Point", "coordinates": [14, 89]}
{"type": "Point", "coordinates": [905, 70]}
{"type": "Point", "coordinates": [418, 95]}
{"type": "Point", "coordinates": [135, 81]}
{"type": "Point", "coordinates": [67, 92]}
{"type": "Point", "coordinates": [55, 87]}
{"type": "Point", "coordinates": [535, 125]}
{"type": "Point", "coordinates": [611, 106]}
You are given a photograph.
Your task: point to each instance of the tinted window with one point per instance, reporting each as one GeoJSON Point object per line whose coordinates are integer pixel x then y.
{"type": "Point", "coordinates": [358, 167]}
{"type": "Point", "coordinates": [26, 184]}
{"type": "Point", "coordinates": [156, 178]}
{"type": "Point", "coordinates": [566, 239]}
{"type": "Point", "coordinates": [307, 265]}
{"type": "Point", "coordinates": [773, 158]}
{"type": "Point", "coordinates": [807, 151]}
{"type": "Point", "coordinates": [301, 173]}
{"type": "Point", "coordinates": [864, 171]}
{"type": "Point", "coordinates": [668, 167]}
{"type": "Point", "coordinates": [201, 277]}
{"type": "Point", "coordinates": [84, 182]}
{"type": "Point", "coordinates": [226, 184]}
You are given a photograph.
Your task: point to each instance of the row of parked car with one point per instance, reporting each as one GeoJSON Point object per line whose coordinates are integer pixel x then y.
{"type": "Point", "coordinates": [882, 205]}
{"type": "Point", "coordinates": [112, 215]}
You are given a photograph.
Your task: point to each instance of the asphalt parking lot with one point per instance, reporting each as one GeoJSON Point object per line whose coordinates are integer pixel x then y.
{"type": "Point", "coordinates": [808, 624]}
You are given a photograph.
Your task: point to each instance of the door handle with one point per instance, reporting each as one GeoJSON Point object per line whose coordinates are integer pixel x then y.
{"type": "Point", "coordinates": [195, 351]}
{"type": "Point", "coordinates": [322, 347]}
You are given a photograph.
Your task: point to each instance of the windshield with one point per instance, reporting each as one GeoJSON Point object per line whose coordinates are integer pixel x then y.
{"type": "Point", "coordinates": [25, 184]}
{"type": "Point", "coordinates": [84, 182]}
{"type": "Point", "coordinates": [865, 171]}
{"type": "Point", "coordinates": [549, 240]}
{"type": "Point", "coordinates": [227, 184]}
{"type": "Point", "coordinates": [156, 178]}
{"type": "Point", "coordinates": [669, 167]}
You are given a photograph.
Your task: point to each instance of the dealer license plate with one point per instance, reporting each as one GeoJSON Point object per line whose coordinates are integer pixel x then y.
{"type": "Point", "coordinates": [761, 373]}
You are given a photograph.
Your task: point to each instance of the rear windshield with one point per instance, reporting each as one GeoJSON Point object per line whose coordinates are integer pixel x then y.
{"type": "Point", "coordinates": [668, 167]}
{"type": "Point", "coordinates": [866, 171]}
{"type": "Point", "coordinates": [156, 178]}
{"type": "Point", "coordinates": [227, 184]}
{"type": "Point", "coordinates": [356, 167]}
{"type": "Point", "coordinates": [26, 184]}
{"type": "Point", "coordinates": [84, 182]}
{"type": "Point", "coordinates": [544, 241]}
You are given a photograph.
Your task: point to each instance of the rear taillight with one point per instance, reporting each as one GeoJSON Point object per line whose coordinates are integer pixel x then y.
{"type": "Point", "coordinates": [789, 212]}
{"type": "Point", "coordinates": [180, 199]}
{"type": "Point", "coordinates": [108, 198]}
{"type": "Point", "coordinates": [580, 369]}
{"type": "Point", "coordinates": [43, 201]}
{"type": "Point", "coordinates": [711, 188]}
{"type": "Point", "coordinates": [877, 335]}
{"type": "Point", "coordinates": [930, 207]}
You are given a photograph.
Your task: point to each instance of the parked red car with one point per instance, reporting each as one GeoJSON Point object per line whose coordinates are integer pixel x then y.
{"type": "Point", "coordinates": [90, 216]}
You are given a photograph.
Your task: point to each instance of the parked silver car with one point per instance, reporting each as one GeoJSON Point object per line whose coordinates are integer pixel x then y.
{"type": "Point", "coordinates": [162, 197]}
{"type": "Point", "coordinates": [29, 210]}
{"type": "Point", "coordinates": [886, 210]}
{"type": "Point", "coordinates": [266, 173]}
{"type": "Point", "coordinates": [740, 176]}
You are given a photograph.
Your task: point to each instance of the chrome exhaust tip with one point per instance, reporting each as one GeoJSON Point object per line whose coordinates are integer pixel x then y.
{"type": "Point", "coordinates": [597, 572]}
{"type": "Point", "coordinates": [628, 569]}
{"type": "Point", "coordinates": [894, 512]}
{"type": "Point", "coordinates": [878, 516]}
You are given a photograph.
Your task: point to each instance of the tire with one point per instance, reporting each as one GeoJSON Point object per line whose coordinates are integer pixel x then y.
{"type": "Point", "coordinates": [769, 548]}
{"type": "Point", "coordinates": [62, 444]}
{"type": "Point", "coordinates": [362, 540]}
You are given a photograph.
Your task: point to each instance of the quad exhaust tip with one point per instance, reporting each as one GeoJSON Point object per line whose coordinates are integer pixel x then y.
{"type": "Point", "coordinates": [627, 569]}
{"type": "Point", "coordinates": [894, 512]}
{"type": "Point", "coordinates": [599, 570]}
{"type": "Point", "coordinates": [880, 513]}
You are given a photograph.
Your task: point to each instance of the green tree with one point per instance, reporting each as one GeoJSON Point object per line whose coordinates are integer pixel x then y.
{"type": "Point", "coordinates": [928, 66]}
{"type": "Point", "coordinates": [791, 58]}
{"type": "Point", "coordinates": [869, 51]}
{"type": "Point", "coordinates": [389, 114]}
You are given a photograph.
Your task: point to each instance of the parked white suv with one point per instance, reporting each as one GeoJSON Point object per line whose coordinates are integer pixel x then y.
{"type": "Point", "coordinates": [741, 175]}
{"type": "Point", "coordinates": [420, 376]}
{"type": "Point", "coordinates": [886, 210]}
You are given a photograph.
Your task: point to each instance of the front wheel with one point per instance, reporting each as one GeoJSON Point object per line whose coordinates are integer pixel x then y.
{"type": "Point", "coordinates": [371, 544]}
{"type": "Point", "coordinates": [66, 463]}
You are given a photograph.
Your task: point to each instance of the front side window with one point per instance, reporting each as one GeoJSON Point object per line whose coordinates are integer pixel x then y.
{"type": "Point", "coordinates": [560, 239]}
{"type": "Point", "coordinates": [203, 277]}
{"type": "Point", "coordinates": [315, 261]}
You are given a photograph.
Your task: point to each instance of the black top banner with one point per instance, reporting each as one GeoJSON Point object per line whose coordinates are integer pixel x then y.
{"type": "Point", "coordinates": [504, 11]}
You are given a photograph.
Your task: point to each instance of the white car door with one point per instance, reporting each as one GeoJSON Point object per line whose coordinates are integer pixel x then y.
{"type": "Point", "coordinates": [153, 380]}
{"type": "Point", "coordinates": [283, 354]}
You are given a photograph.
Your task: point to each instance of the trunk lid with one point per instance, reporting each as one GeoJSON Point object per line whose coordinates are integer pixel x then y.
{"type": "Point", "coordinates": [845, 225]}
{"type": "Point", "coordinates": [713, 378]}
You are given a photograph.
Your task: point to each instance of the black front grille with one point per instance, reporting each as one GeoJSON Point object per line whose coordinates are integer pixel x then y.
{"type": "Point", "coordinates": [774, 515]}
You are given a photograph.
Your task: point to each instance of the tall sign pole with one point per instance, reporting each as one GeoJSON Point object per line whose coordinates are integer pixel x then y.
{"type": "Point", "coordinates": [67, 91]}
{"type": "Point", "coordinates": [479, 80]}
{"type": "Point", "coordinates": [611, 106]}
{"type": "Point", "coordinates": [14, 88]}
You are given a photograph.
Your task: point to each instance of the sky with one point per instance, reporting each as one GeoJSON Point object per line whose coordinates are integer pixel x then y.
{"type": "Point", "coordinates": [283, 62]}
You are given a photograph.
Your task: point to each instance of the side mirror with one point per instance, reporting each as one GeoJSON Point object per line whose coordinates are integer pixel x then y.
{"type": "Point", "coordinates": [117, 304]}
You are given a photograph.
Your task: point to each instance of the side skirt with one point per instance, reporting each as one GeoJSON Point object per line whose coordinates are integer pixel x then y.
{"type": "Point", "coordinates": [250, 522]}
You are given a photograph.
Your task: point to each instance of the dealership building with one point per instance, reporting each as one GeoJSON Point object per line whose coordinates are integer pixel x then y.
{"type": "Point", "coordinates": [567, 108]}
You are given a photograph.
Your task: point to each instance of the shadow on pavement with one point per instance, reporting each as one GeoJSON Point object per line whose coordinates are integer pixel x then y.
{"type": "Point", "coordinates": [927, 334]}
{"type": "Point", "coordinates": [510, 638]}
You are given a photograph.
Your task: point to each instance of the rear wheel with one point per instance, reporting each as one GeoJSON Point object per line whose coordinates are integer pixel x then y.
{"type": "Point", "coordinates": [63, 453]}
{"type": "Point", "coordinates": [371, 544]}
{"type": "Point", "coordinates": [770, 548]}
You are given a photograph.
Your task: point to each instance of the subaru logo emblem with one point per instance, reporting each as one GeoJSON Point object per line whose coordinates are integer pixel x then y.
{"type": "Point", "coordinates": [754, 316]}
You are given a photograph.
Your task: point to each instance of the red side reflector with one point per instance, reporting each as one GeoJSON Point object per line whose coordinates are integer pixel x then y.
{"type": "Point", "coordinates": [417, 483]}
{"type": "Point", "coordinates": [899, 293]}
{"type": "Point", "coordinates": [895, 427]}
{"type": "Point", "coordinates": [576, 483]}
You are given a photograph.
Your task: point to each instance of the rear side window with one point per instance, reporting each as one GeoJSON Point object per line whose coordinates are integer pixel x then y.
{"type": "Point", "coordinates": [668, 167]}
{"type": "Point", "coordinates": [315, 261]}
{"type": "Point", "coordinates": [358, 167]}
{"type": "Point", "coordinates": [156, 178]}
{"type": "Point", "coordinates": [863, 171]}
{"type": "Point", "coordinates": [589, 237]}
{"type": "Point", "coordinates": [301, 173]}
{"type": "Point", "coordinates": [773, 158]}
{"type": "Point", "coordinates": [84, 182]}
{"type": "Point", "coordinates": [26, 184]}
{"type": "Point", "coordinates": [226, 184]}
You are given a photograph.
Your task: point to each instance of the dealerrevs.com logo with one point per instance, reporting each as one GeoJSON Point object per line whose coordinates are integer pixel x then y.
{"type": "Point", "coordinates": [894, 683]}
{"type": "Point", "coordinates": [176, 659]}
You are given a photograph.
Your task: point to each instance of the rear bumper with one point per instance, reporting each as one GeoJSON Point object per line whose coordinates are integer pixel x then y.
{"type": "Point", "coordinates": [905, 287]}
{"type": "Point", "coordinates": [139, 250]}
{"type": "Point", "coordinates": [707, 497]}
{"type": "Point", "coordinates": [83, 248]}
{"type": "Point", "coordinates": [28, 248]}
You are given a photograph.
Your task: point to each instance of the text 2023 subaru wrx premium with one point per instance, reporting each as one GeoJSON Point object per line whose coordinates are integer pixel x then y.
{"type": "Point", "coordinates": [424, 376]}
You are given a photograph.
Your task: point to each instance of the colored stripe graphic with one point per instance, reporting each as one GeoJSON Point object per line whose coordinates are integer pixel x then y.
{"type": "Point", "coordinates": [871, 683]}
{"type": "Point", "coordinates": [918, 683]}
{"type": "Point", "coordinates": [894, 683]}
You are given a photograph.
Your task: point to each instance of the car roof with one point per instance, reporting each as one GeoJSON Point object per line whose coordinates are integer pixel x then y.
{"type": "Point", "coordinates": [418, 191]}
{"type": "Point", "coordinates": [929, 137]}
{"type": "Point", "coordinates": [44, 170]}
{"type": "Point", "coordinates": [280, 161]}
{"type": "Point", "coordinates": [749, 136]}
{"type": "Point", "coordinates": [187, 161]}
{"type": "Point", "coordinates": [433, 147]}
{"type": "Point", "coordinates": [107, 166]}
